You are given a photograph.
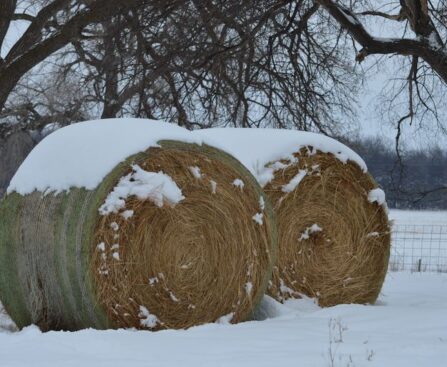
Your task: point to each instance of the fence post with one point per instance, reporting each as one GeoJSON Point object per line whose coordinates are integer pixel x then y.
{"type": "Point", "coordinates": [419, 265]}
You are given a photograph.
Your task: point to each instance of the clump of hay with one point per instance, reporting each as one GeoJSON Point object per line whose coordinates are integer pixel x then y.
{"type": "Point", "coordinates": [150, 264]}
{"type": "Point", "coordinates": [334, 243]}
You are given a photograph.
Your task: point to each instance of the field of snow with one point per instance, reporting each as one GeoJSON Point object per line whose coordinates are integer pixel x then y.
{"type": "Point", "coordinates": [418, 217]}
{"type": "Point", "coordinates": [419, 241]}
{"type": "Point", "coordinates": [407, 327]}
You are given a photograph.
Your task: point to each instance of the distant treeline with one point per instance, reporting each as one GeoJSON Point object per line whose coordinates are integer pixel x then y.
{"type": "Point", "coordinates": [417, 181]}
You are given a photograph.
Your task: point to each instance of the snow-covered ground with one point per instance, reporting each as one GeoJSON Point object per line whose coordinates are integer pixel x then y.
{"type": "Point", "coordinates": [419, 217]}
{"type": "Point", "coordinates": [407, 327]}
{"type": "Point", "coordinates": [419, 240]}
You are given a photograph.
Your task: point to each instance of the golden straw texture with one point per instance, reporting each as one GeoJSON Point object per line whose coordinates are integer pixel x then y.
{"type": "Point", "coordinates": [181, 265]}
{"type": "Point", "coordinates": [333, 243]}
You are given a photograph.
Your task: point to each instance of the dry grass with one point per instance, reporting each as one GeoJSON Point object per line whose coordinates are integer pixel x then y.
{"type": "Point", "coordinates": [344, 262]}
{"type": "Point", "coordinates": [191, 263]}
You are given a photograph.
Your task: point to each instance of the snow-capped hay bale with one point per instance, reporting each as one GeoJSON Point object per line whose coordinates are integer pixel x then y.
{"type": "Point", "coordinates": [334, 242]}
{"type": "Point", "coordinates": [165, 240]}
{"type": "Point", "coordinates": [333, 230]}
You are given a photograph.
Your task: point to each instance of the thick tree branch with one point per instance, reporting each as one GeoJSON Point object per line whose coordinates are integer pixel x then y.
{"type": "Point", "coordinates": [7, 8]}
{"type": "Point", "coordinates": [397, 17]}
{"type": "Point", "coordinates": [33, 34]}
{"type": "Point", "coordinates": [23, 16]}
{"type": "Point", "coordinates": [422, 47]}
{"type": "Point", "coordinates": [26, 54]}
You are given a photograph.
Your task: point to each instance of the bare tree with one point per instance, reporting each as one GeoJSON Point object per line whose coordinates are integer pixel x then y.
{"type": "Point", "coordinates": [207, 63]}
{"type": "Point", "coordinates": [48, 97]}
{"type": "Point", "coordinates": [428, 44]}
{"type": "Point", "coordinates": [203, 63]}
{"type": "Point", "coordinates": [52, 25]}
{"type": "Point", "coordinates": [421, 39]}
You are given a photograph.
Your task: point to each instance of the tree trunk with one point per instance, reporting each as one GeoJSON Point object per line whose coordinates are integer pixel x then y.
{"type": "Point", "coordinates": [111, 105]}
{"type": "Point", "coordinates": [13, 150]}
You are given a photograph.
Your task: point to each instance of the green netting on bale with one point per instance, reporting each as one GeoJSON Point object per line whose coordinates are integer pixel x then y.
{"type": "Point", "coordinates": [46, 245]}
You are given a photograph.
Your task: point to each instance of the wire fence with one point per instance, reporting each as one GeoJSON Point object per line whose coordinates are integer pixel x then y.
{"type": "Point", "coordinates": [419, 248]}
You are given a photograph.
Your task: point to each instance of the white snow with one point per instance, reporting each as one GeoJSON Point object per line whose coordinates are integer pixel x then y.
{"type": "Point", "coordinates": [154, 186]}
{"type": "Point", "coordinates": [387, 39]}
{"type": "Point", "coordinates": [225, 319]}
{"type": "Point", "coordinates": [127, 214]}
{"type": "Point", "coordinates": [213, 186]}
{"type": "Point", "coordinates": [239, 183]}
{"type": "Point", "coordinates": [262, 203]}
{"type": "Point", "coordinates": [286, 290]}
{"type": "Point", "coordinates": [433, 41]}
{"type": "Point", "coordinates": [373, 234]}
{"type": "Point", "coordinates": [196, 172]}
{"type": "Point", "coordinates": [147, 319]}
{"type": "Point", "coordinates": [101, 246]}
{"type": "Point", "coordinates": [406, 328]}
{"type": "Point", "coordinates": [248, 288]}
{"type": "Point", "coordinates": [295, 181]}
{"type": "Point", "coordinates": [269, 308]}
{"type": "Point", "coordinates": [6, 324]}
{"type": "Point", "coordinates": [309, 230]}
{"type": "Point", "coordinates": [81, 155]}
{"type": "Point", "coordinates": [419, 217]}
{"type": "Point", "coordinates": [377, 195]}
{"type": "Point", "coordinates": [349, 17]}
{"type": "Point", "coordinates": [173, 297]}
{"type": "Point", "coordinates": [258, 218]}
{"type": "Point", "coordinates": [49, 128]}
{"type": "Point", "coordinates": [256, 148]}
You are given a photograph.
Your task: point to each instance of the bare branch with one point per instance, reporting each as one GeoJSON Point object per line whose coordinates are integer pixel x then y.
{"type": "Point", "coordinates": [7, 8]}
{"type": "Point", "coordinates": [397, 17]}
{"type": "Point", "coordinates": [422, 48]}
{"type": "Point", "coordinates": [23, 16]}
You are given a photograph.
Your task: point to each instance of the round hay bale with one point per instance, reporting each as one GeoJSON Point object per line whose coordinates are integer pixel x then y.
{"type": "Point", "coordinates": [334, 240]}
{"type": "Point", "coordinates": [333, 229]}
{"type": "Point", "coordinates": [175, 236]}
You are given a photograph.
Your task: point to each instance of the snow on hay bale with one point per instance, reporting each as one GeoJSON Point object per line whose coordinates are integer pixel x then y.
{"type": "Point", "coordinates": [132, 224]}
{"type": "Point", "coordinates": [333, 230]}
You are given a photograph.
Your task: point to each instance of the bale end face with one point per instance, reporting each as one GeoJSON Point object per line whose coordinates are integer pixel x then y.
{"type": "Point", "coordinates": [161, 265]}
{"type": "Point", "coordinates": [334, 243]}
